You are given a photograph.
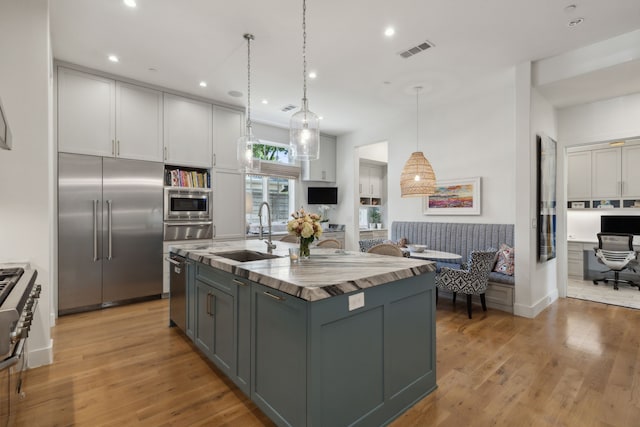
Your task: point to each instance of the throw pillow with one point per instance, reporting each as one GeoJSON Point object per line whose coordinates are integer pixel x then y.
{"type": "Point", "coordinates": [506, 260]}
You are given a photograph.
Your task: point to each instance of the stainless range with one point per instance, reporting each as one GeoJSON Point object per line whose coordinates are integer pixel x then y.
{"type": "Point", "coordinates": [18, 301]}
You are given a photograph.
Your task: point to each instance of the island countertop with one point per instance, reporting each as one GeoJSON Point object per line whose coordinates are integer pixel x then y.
{"type": "Point", "coordinates": [327, 273]}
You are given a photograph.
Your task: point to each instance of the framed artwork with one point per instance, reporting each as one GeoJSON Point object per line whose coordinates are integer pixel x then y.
{"type": "Point", "coordinates": [546, 197]}
{"type": "Point", "coordinates": [454, 197]}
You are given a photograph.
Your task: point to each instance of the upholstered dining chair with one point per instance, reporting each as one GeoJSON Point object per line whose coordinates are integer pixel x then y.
{"type": "Point", "coordinates": [471, 282]}
{"type": "Point", "coordinates": [329, 243]}
{"type": "Point", "coordinates": [386, 249]}
{"type": "Point", "coordinates": [291, 238]}
{"type": "Point", "coordinates": [615, 250]}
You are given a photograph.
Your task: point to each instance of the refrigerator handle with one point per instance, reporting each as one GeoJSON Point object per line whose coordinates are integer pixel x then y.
{"type": "Point", "coordinates": [95, 230]}
{"type": "Point", "coordinates": [109, 213]}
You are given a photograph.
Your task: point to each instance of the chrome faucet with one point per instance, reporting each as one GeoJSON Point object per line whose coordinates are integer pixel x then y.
{"type": "Point", "coordinates": [270, 245]}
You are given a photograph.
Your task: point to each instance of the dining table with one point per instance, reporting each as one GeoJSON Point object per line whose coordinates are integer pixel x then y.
{"type": "Point", "coordinates": [433, 255]}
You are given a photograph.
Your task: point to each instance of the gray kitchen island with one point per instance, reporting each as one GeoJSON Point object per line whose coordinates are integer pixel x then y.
{"type": "Point", "coordinates": [340, 339]}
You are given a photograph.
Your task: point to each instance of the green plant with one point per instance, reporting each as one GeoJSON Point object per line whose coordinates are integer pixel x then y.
{"type": "Point", "coordinates": [375, 215]}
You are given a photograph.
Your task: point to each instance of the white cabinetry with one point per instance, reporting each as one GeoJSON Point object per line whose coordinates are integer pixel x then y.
{"type": "Point", "coordinates": [579, 175]}
{"type": "Point", "coordinates": [371, 177]}
{"type": "Point", "coordinates": [228, 205]}
{"type": "Point", "coordinates": [187, 131]}
{"type": "Point", "coordinates": [324, 168]}
{"type": "Point", "coordinates": [102, 117]}
{"type": "Point", "coordinates": [631, 171]}
{"type": "Point", "coordinates": [227, 128]}
{"type": "Point", "coordinates": [86, 113]}
{"type": "Point", "coordinates": [605, 173]}
{"type": "Point", "coordinates": [575, 260]}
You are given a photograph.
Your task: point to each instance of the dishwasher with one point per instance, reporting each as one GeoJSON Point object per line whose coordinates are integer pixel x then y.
{"type": "Point", "coordinates": [178, 291]}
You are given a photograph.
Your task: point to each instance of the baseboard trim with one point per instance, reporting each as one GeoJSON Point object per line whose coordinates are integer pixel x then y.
{"type": "Point", "coordinates": [537, 308]}
{"type": "Point", "coordinates": [41, 356]}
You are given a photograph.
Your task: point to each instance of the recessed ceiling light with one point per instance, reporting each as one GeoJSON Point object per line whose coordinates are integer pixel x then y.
{"type": "Point", "coordinates": [113, 58]}
{"type": "Point", "coordinates": [203, 84]}
{"type": "Point", "coordinates": [130, 3]}
{"type": "Point", "coordinates": [570, 8]}
{"type": "Point", "coordinates": [152, 69]}
{"type": "Point", "coordinates": [313, 75]}
{"type": "Point", "coordinates": [235, 93]}
{"type": "Point", "coordinates": [265, 101]}
{"type": "Point", "coordinates": [389, 31]}
{"type": "Point", "coordinates": [575, 22]}
{"type": "Point", "coordinates": [321, 118]}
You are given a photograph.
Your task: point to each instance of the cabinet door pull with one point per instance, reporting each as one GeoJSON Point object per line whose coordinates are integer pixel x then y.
{"type": "Point", "coordinates": [215, 161]}
{"type": "Point", "coordinates": [165, 153]}
{"type": "Point", "coordinates": [212, 304]}
{"type": "Point", "coordinates": [95, 230]}
{"type": "Point", "coordinates": [118, 148]}
{"type": "Point", "coordinates": [110, 229]}
{"type": "Point", "coordinates": [276, 297]}
{"type": "Point", "coordinates": [360, 189]}
{"type": "Point", "coordinates": [209, 303]}
{"type": "Point", "coordinates": [239, 282]}
{"type": "Point", "coordinates": [214, 231]}
{"type": "Point", "coordinates": [113, 147]}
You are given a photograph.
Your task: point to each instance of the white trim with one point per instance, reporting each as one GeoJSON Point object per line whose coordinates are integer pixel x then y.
{"type": "Point", "coordinates": [536, 308]}
{"type": "Point", "coordinates": [41, 356]}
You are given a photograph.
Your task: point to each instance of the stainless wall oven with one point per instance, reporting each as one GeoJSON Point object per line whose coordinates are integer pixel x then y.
{"type": "Point", "coordinates": [187, 214]}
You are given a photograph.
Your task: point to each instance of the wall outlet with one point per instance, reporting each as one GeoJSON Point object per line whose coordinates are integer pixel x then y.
{"type": "Point", "coordinates": [356, 301]}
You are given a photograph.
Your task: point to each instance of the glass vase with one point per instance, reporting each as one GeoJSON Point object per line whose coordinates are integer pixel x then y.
{"type": "Point", "coordinates": [304, 247]}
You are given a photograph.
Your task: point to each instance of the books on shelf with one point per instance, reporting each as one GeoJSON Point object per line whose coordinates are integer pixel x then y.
{"type": "Point", "coordinates": [187, 178]}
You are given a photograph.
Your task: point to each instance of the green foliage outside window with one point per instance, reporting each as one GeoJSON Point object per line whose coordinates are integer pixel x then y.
{"type": "Point", "coordinates": [270, 152]}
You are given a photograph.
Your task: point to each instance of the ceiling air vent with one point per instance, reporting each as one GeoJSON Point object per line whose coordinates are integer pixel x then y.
{"type": "Point", "coordinates": [416, 49]}
{"type": "Point", "coordinates": [287, 108]}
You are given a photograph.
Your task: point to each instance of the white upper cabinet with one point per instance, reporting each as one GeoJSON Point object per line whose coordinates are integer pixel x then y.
{"type": "Point", "coordinates": [605, 173]}
{"type": "Point", "coordinates": [187, 131]}
{"type": "Point", "coordinates": [138, 122]}
{"type": "Point", "coordinates": [102, 117]}
{"type": "Point", "coordinates": [371, 177]}
{"type": "Point", "coordinates": [227, 128]}
{"type": "Point", "coordinates": [579, 175]}
{"type": "Point", "coordinates": [324, 168]}
{"type": "Point", "coordinates": [86, 113]}
{"type": "Point", "coordinates": [631, 171]}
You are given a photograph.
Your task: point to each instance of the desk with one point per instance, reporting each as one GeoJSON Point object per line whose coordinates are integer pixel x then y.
{"type": "Point", "coordinates": [433, 255]}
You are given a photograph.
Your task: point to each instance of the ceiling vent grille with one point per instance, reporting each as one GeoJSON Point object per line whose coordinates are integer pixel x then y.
{"type": "Point", "coordinates": [288, 108]}
{"type": "Point", "coordinates": [416, 49]}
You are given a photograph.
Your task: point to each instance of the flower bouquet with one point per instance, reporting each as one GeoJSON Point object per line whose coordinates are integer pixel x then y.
{"type": "Point", "coordinates": [307, 227]}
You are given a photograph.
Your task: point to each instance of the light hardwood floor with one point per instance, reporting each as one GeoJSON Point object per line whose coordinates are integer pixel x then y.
{"type": "Point", "coordinates": [576, 364]}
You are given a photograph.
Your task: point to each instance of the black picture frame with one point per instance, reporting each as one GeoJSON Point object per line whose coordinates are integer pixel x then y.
{"type": "Point", "coordinates": [546, 197]}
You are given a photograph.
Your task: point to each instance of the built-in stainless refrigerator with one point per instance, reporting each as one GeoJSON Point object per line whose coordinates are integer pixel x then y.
{"type": "Point", "coordinates": [109, 231]}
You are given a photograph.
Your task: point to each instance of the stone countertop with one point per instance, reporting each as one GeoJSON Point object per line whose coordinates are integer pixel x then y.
{"type": "Point", "coordinates": [327, 273]}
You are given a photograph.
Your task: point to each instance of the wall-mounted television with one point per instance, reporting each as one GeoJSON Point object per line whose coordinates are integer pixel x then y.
{"type": "Point", "coordinates": [322, 195]}
{"type": "Point", "coordinates": [620, 224]}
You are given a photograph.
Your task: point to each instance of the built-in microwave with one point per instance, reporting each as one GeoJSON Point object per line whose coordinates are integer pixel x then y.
{"type": "Point", "coordinates": [187, 204]}
{"type": "Point", "coordinates": [5, 132]}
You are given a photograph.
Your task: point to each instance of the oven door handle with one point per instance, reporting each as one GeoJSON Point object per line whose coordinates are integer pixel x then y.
{"type": "Point", "coordinates": [15, 357]}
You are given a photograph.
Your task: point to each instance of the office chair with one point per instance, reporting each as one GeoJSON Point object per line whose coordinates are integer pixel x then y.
{"type": "Point", "coordinates": [615, 250]}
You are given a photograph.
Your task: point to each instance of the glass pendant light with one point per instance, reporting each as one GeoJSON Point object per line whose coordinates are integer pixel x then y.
{"type": "Point", "coordinates": [246, 161]}
{"type": "Point", "coordinates": [304, 128]}
{"type": "Point", "coordinates": [417, 178]}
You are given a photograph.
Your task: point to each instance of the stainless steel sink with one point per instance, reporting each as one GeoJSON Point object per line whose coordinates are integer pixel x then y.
{"type": "Point", "coordinates": [245, 255]}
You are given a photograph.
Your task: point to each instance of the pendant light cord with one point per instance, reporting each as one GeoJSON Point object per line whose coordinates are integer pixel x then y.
{"type": "Point", "coordinates": [417, 117]}
{"type": "Point", "coordinates": [304, 49]}
{"type": "Point", "coordinates": [249, 37]}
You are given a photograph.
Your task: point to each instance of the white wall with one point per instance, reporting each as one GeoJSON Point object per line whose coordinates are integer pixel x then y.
{"type": "Point", "coordinates": [25, 183]}
{"type": "Point", "coordinates": [472, 137]}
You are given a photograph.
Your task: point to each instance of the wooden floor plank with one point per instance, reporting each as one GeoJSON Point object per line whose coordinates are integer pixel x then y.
{"type": "Point", "coordinates": [576, 364]}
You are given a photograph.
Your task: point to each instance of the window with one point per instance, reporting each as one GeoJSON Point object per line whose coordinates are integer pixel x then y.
{"type": "Point", "coordinates": [275, 185]}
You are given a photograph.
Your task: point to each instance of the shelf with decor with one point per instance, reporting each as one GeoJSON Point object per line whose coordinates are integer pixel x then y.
{"type": "Point", "coordinates": [370, 201]}
{"type": "Point", "coordinates": [175, 176]}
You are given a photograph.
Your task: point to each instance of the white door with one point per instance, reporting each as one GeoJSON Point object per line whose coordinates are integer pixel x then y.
{"type": "Point", "coordinates": [187, 131]}
{"type": "Point", "coordinates": [86, 113]}
{"type": "Point", "coordinates": [227, 128]}
{"type": "Point", "coordinates": [138, 122]}
{"type": "Point", "coordinates": [631, 171]}
{"type": "Point", "coordinates": [605, 173]}
{"type": "Point", "coordinates": [579, 175]}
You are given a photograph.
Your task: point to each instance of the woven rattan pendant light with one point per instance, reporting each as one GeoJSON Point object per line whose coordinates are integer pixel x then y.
{"type": "Point", "coordinates": [417, 178]}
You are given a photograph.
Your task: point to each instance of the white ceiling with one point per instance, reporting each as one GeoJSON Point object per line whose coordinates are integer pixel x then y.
{"type": "Point", "coordinates": [361, 78]}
